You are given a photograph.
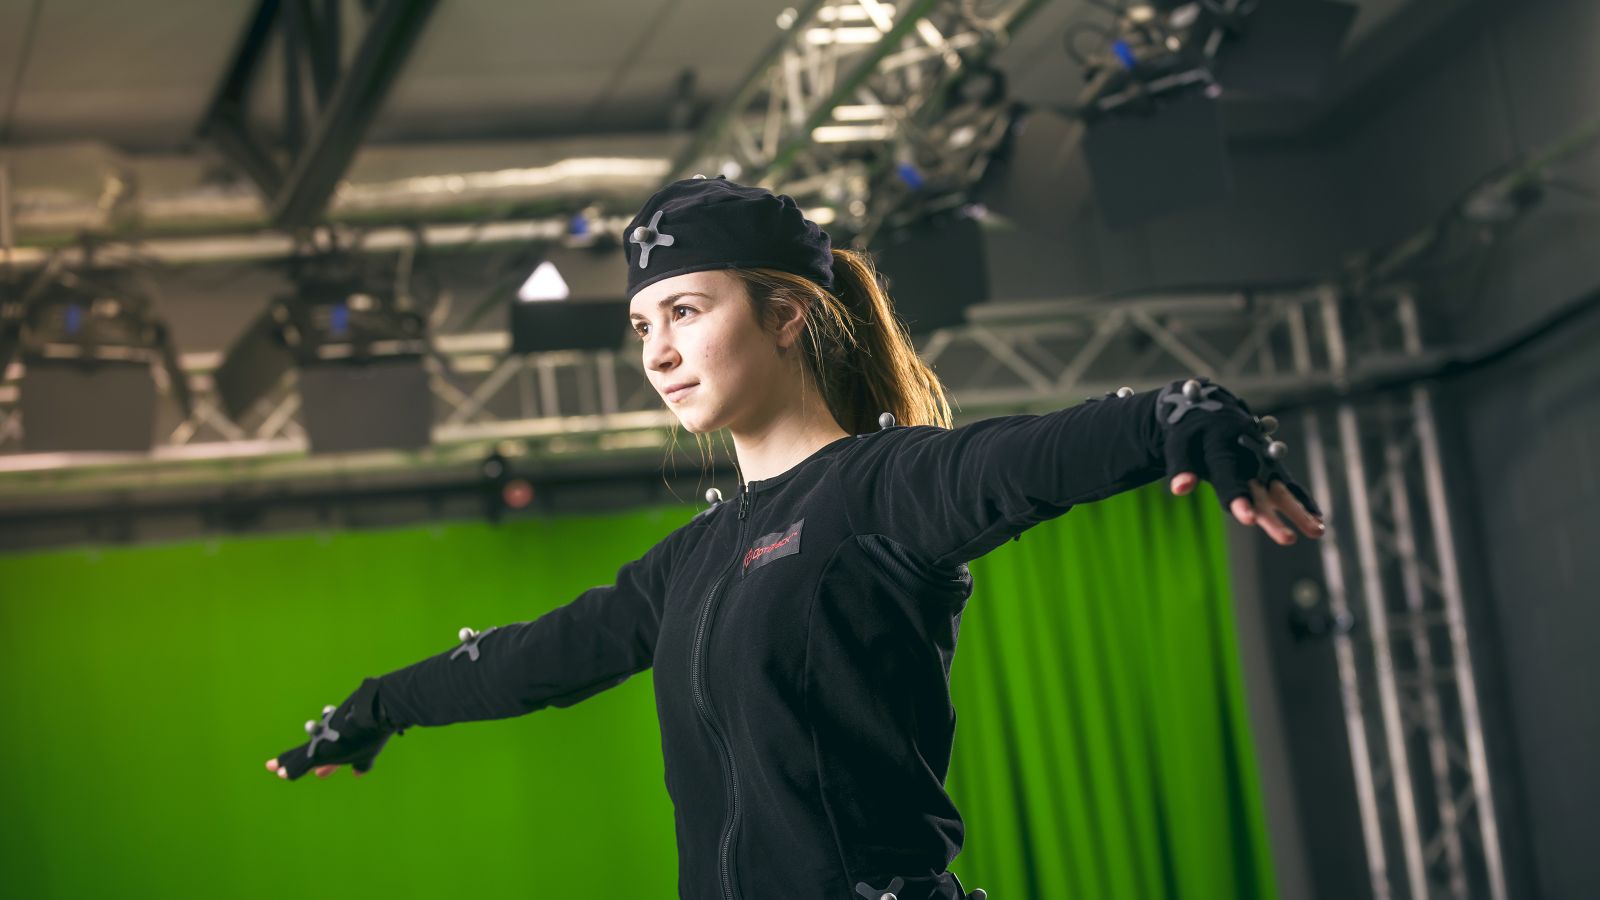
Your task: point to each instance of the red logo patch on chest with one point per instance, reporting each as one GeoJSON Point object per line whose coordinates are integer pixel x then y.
{"type": "Point", "coordinates": [773, 546]}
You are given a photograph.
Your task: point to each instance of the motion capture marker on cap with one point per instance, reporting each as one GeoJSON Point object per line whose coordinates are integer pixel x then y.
{"type": "Point", "coordinates": [719, 224]}
{"type": "Point", "coordinates": [649, 237]}
{"type": "Point", "coordinates": [1124, 391]}
{"type": "Point", "coordinates": [1277, 449]}
{"type": "Point", "coordinates": [1269, 424]}
{"type": "Point", "coordinates": [699, 177]}
{"type": "Point", "coordinates": [978, 894]}
{"type": "Point", "coordinates": [1191, 390]}
{"type": "Point", "coordinates": [886, 420]}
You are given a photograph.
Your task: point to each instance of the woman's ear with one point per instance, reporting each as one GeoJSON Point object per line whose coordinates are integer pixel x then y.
{"type": "Point", "coordinates": [790, 320]}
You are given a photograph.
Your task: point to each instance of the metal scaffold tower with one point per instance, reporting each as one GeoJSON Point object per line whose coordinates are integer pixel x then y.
{"type": "Point", "coordinates": [1409, 693]}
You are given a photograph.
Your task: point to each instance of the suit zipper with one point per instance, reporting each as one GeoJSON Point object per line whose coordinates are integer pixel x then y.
{"type": "Point", "coordinates": [697, 681]}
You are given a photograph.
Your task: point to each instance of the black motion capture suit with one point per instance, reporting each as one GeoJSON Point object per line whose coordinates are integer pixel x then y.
{"type": "Point", "coordinates": [800, 636]}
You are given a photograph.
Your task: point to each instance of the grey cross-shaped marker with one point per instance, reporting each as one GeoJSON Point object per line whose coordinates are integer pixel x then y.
{"type": "Point", "coordinates": [469, 645]}
{"type": "Point", "coordinates": [649, 237]}
{"type": "Point", "coordinates": [867, 890]}
{"type": "Point", "coordinates": [1182, 403]}
{"type": "Point", "coordinates": [321, 732]}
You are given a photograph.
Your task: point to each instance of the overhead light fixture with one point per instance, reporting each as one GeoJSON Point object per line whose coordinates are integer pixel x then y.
{"type": "Point", "coordinates": [859, 112]}
{"type": "Point", "coordinates": [846, 13]}
{"type": "Point", "coordinates": [1153, 138]}
{"type": "Point", "coordinates": [847, 35]}
{"type": "Point", "coordinates": [354, 350]}
{"type": "Point", "coordinates": [842, 134]}
{"type": "Point", "coordinates": [92, 348]}
{"type": "Point", "coordinates": [544, 284]}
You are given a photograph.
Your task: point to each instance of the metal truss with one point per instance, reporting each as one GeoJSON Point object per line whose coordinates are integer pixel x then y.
{"type": "Point", "coordinates": [346, 95]}
{"type": "Point", "coordinates": [1407, 683]}
{"type": "Point", "coordinates": [848, 110]}
{"type": "Point", "coordinates": [1015, 357]}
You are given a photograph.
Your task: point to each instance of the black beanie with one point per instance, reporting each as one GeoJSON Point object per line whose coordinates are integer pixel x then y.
{"type": "Point", "coordinates": [712, 223]}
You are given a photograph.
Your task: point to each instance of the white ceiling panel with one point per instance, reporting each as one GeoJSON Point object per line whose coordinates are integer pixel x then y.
{"type": "Point", "coordinates": [138, 73]}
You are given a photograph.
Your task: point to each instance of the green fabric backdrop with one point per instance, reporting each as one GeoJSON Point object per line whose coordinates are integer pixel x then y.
{"type": "Point", "coordinates": [1102, 749]}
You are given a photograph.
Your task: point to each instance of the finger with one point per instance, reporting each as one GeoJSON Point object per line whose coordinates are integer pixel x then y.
{"type": "Point", "coordinates": [359, 772]}
{"type": "Point", "coordinates": [1309, 525]}
{"type": "Point", "coordinates": [1243, 511]}
{"type": "Point", "coordinates": [272, 764]}
{"type": "Point", "coordinates": [1228, 467]}
{"type": "Point", "coordinates": [1184, 482]}
{"type": "Point", "coordinates": [1267, 516]}
{"type": "Point", "coordinates": [1183, 455]}
{"type": "Point", "coordinates": [1305, 499]}
{"type": "Point", "coordinates": [325, 771]}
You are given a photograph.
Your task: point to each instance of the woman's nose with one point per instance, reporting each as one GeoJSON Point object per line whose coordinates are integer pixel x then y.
{"type": "Point", "coordinates": [659, 354]}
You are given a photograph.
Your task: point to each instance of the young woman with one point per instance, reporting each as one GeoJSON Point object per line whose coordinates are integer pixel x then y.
{"type": "Point", "coordinates": [800, 637]}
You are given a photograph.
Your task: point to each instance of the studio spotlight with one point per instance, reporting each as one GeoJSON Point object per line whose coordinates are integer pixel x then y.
{"type": "Point", "coordinates": [356, 352]}
{"type": "Point", "coordinates": [92, 350]}
{"type": "Point", "coordinates": [1153, 138]}
{"type": "Point", "coordinates": [576, 306]}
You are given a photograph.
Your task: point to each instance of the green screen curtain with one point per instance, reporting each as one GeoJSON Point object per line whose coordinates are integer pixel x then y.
{"type": "Point", "coordinates": [1101, 751]}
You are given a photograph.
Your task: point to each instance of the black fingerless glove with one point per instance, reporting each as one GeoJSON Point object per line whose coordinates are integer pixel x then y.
{"type": "Point", "coordinates": [1212, 433]}
{"type": "Point", "coordinates": [351, 733]}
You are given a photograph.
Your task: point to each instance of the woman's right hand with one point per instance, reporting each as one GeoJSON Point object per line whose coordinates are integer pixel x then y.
{"type": "Point", "coordinates": [321, 771]}
{"type": "Point", "coordinates": [350, 734]}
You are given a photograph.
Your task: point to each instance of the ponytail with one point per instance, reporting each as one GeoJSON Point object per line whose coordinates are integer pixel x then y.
{"type": "Point", "coordinates": [857, 350]}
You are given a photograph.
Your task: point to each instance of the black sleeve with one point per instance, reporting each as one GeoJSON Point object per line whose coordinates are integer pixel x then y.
{"type": "Point", "coordinates": [955, 494]}
{"type": "Point", "coordinates": [596, 642]}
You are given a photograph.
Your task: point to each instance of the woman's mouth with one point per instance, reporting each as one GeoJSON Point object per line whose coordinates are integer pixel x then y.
{"type": "Point", "coordinates": [678, 393]}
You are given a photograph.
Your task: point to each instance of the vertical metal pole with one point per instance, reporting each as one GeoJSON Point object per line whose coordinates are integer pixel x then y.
{"type": "Point", "coordinates": [1450, 584]}
{"type": "Point", "coordinates": [1377, 617]}
{"type": "Point", "coordinates": [6, 238]}
{"type": "Point", "coordinates": [606, 364]}
{"type": "Point", "coordinates": [549, 396]}
{"type": "Point", "coordinates": [1427, 675]}
{"type": "Point", "coordinates": [1338, 601]}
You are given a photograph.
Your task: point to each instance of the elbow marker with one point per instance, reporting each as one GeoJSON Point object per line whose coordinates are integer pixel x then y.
{"type": "Point", "coordinates": [469, 643]}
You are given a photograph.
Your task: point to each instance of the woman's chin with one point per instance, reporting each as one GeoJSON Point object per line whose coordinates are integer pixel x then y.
{"type": "Point", "coordinates": [694, 424]}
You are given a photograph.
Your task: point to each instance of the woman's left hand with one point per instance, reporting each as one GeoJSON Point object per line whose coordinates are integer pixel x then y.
{"type": "Point", "coordinates": [1269, 509]}
{"type": "Point", "coordinates": [1209, 433]}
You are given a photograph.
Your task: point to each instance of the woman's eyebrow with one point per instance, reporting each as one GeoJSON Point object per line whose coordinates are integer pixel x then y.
{"type": "Point", "coordinates": [671, 299]}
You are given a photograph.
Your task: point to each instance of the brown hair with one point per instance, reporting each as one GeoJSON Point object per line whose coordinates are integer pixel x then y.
{"type": "Point", "coordinates": [858, 352]}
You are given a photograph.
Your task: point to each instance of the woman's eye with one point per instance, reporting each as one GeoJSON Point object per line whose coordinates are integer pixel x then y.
{"type": "Point", "coordinates": [689, 308]}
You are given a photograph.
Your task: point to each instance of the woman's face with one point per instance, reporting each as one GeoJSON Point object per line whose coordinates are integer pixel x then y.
{"type": "Point", "coordinates": [699, 329]}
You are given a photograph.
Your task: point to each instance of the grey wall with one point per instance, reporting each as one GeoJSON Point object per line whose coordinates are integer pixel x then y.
{"type": "Point", "coordinates": [1523, 437]}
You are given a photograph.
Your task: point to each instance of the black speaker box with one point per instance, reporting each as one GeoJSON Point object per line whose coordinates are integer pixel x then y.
{"type": "Point", "coordinates": [1157, 157]}
{"type": "Point", "coordinates": [543, 325]}
{"type": "Point", "coordinates": [376, 404]}
{"type": "Point", "coordinates": [1287, 48]}
{"type": "Point", "coordinates": [935, 270]}
{"type": "Point", "coordinates": [254, 365]}
{"type": "Point", "coordinates": [71, 405]}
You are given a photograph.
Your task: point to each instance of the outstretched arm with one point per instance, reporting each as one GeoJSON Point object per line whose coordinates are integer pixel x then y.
{"type": "Point", "coordinates": [959, 493]}
{"type": "Point", "coordinates": [593, 643]}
